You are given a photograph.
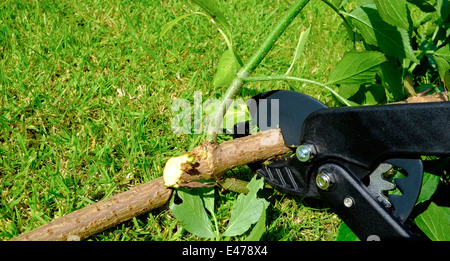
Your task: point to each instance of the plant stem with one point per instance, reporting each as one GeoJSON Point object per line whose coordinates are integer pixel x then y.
{"type": "Point", "coordinates": [217, 227]}
{"type": "Point", "coordinates": [287, 77]}
{"type": "Point", "coordinates": [251, 65]}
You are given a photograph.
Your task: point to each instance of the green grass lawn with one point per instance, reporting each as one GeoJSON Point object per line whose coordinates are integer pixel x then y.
{"type": "Point", "coordinates": [86, 89]}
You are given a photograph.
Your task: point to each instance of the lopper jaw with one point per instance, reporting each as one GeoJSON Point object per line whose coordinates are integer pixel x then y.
{"type": "Point", "coordinates": [342, 155]}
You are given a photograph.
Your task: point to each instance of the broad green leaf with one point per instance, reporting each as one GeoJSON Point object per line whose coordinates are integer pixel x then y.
{"type": "Point", "coordinates": [237, 112]}
{"type": "Point", "coordinates": [365, 94]}
{"type": "Point", "coordinates": [391, 40]}
{"type": "Point", "coordinates": [366, 2]}
{"type": "Point", "coordinates": [424, 5]}
{"type": "Point", "coordinates": [212, 8]}
{"type": "Point", "coordinates": [430, 183]}
{"type": "Point", "coordinates": [392, 78]}
{"type": "Point", "coordinates": [424, 87]}
{"type": "Point", "coordinates": [338, 3]}
{"type": "Point", "coordinates": [300, 46]}
{"type": "Point", "coordinates": [346, 234]}
{"type": "Point", "coordinates": [260, 226]}
{"type": "Point", "coordinates": [444, 52]}
{"type": "Point", "coordinates": [247, 209]}
{"type": "Point", "coordinates": [192, 215]}
{"type": "Point", "coordinates": [207, 194]}
{"type": "Point", "coordinates": [435, 222]}
{"type": "Point", "coordinates": [443, 69]}
{"type": "Point", "coordinates": [443, 7]}
{"type": "Point", "coordinates": [446, 211]}
{"type": "Point", "coordinates": [394, 12]}
{"type": "Point", "coordinates": [227, 69]}
{"type": "Point", "coordinates": [374, 94]}
{"type": "Point", "coordinates": [356, 68]}
{"type": "Point", "coordinates": [348, 90]}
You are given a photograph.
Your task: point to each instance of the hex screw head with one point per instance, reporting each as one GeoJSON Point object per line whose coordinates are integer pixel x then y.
{"type": "Point", "coordinates": [305, 152]}
{"type": "Point", "coordinates": [324, 181]}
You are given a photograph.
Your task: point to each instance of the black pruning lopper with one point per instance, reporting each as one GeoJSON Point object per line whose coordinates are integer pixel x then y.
{"type": "Point", "coordinates": [344, 154]}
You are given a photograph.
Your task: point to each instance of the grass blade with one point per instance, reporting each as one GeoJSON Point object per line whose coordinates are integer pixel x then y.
{"type": "Point", "coordinates": [213, 10]}
{"type": "Point", "coordinates": [300, 46]}
{"type": "Point", "coordinates": [166, 27]}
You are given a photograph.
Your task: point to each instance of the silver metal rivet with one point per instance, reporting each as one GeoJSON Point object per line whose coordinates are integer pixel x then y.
{"type": "Point", "coordinates": [324, 180]}
{"type": "Point", "coordinates": [348, 202]}
{"type": "Point", "coordinates": [305, 152]}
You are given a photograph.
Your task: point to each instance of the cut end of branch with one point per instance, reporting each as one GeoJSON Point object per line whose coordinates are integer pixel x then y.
{"type": "Point", "coordinates": [174, 168]}
{"type": "Point", "coordinates": [210, 160]}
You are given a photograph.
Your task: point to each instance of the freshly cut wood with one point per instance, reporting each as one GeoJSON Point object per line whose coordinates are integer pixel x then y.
{"type": "Point", "coordinates": [207, 161]}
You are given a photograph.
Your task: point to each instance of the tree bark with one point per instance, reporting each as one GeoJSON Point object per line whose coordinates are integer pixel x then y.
{"type": "Point", "coordinates": [102, 215]}
{"type": "Point", "coordinates": [211, 160]}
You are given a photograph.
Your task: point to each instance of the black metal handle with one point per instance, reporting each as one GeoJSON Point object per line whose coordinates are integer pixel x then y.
{"type": "Point", "coordinates": [365, 216]}
{"type": "Point", "coordinates": [368, 135]}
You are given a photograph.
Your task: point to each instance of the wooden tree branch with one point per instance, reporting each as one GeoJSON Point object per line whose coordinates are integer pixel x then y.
{"type": "Point", "coordinates": [211, 160]}
{"type": "Point", "coordinates": [104, 214]}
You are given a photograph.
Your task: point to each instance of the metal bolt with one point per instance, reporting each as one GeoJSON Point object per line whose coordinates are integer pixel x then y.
{"type": "Point", "coordinates": [373, 238]}
{"type": "Point", "coordinates": [348, 202]}
{"type": "Point", "coordinates": [324, 180]}
{"type": "Point", "coordinates": [305, 152]}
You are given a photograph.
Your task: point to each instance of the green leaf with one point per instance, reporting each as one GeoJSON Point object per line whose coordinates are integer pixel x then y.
{"type": "Point", "coordinates": [213, 10]}
{"type": "Point", "coordinates": [394, 12]}
{"type": "Point", "coordinates": [430, 183]}
{"type": "Point", "coordinates": [338, 3]}
{"type": "Point", "coordinates": [391, 40]}
{"type": "Point", "coordinates": [348, 90]}
{"type": "Point", "coordinates": [446, 211]}
{"type": "Point", "coordinates": [247, 209]}
{"type": "Point", "coordinates": [356, 68]}
{"type": "Point", "coordinates": [237, 112]}
{"type": "Point", "coordinates": [192, 215]}
{"type": "Point", "coordinates": [300, 46]}
{"type": "Point", "coordinates": [260, 226]}
{"type": "Point", "coordinates": [374, 94]}
{"type": "Point", "coordinates": [346, 234]}
{"type": "Point", "coordinates": [227, 69]}
{"type": "Point", "coordinates": [443, 69]}
{"type": "Point", "coordinates": [366, 94]}
{"type": "Point", "coordinates": [444, 52]}
{"type": "Point", "coordinates": [392, 78]}
{"type": "Point", "coordinates": [443, 7]}
{"type": "Point", "coordinates": [435, 222]}
{"type": "Point", "coordinates": [424, 5]}
{"type": "Point", "coordinates": [366, 2]}
{"type": "Point", "coordinates": [207, 194]}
